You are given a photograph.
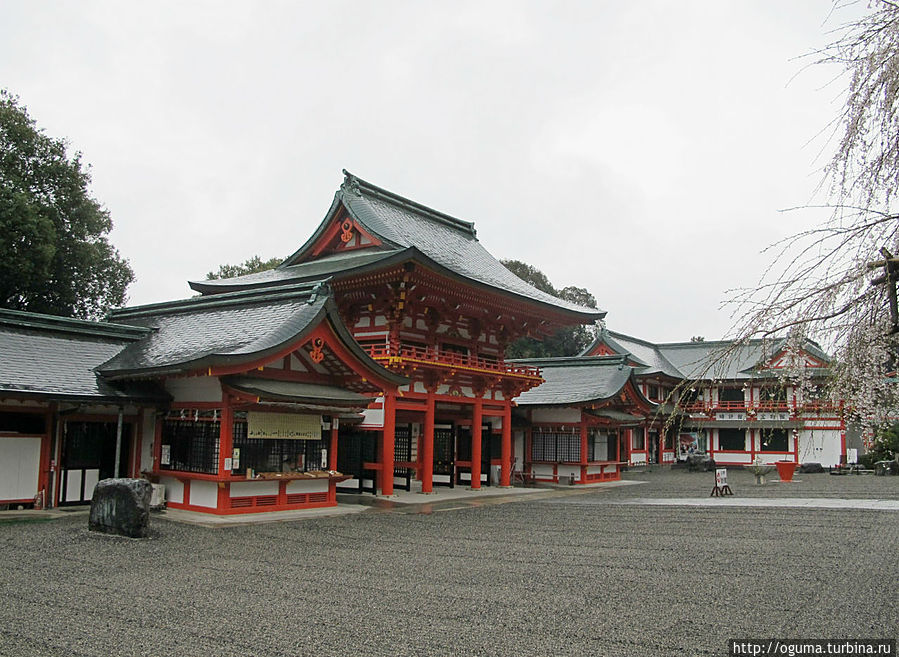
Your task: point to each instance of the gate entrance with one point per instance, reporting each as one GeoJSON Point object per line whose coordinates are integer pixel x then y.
{"type": "Point", "coordinates": [88, 455]}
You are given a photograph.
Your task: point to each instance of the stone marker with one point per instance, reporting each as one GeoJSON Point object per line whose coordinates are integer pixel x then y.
{"type": "Point", "coordinates": [121, 506]}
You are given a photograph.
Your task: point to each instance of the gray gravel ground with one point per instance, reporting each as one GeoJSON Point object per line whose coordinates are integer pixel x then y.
{"type": "Point", "coordinates": [570, 575]}
{"type": "Point", "coordinates": [669, 482]}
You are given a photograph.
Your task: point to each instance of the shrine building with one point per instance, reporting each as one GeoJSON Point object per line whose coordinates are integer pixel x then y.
{"type": "Point", "coordinates": [372, 358]}
{"type": "Point", "coordinates": [425, 299]}
{"type": "Point", "coordinates": [736, 407]}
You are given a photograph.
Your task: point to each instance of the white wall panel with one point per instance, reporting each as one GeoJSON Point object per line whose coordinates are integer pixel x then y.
{"type": "Point", "coordinates": [20, 459]}
{"type": "Point", "coordinates": [174, 489]}
{"type": "Point", "coordinates": [204, 493]}
{"type": "Point", "coordinates": [307, 486]}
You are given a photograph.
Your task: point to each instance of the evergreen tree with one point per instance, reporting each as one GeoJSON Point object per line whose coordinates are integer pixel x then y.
{"type": "Point", "coordinates": [568, 341]}
{"type": "Point", "coordinates": [54, 254]}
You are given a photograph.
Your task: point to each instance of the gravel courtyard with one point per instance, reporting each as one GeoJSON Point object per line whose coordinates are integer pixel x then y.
{"type": "Point", "coordinates": [565, 574]}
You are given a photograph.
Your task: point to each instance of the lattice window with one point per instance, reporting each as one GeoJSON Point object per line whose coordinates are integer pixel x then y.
{"type": "Point", "coordinates": [192, 438]}
{"type": "Point", "coordinates": [555, 446]}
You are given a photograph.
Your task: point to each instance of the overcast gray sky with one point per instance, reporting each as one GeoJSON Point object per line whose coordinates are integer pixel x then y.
{"type": "Point", "coordinates": [643, 150]}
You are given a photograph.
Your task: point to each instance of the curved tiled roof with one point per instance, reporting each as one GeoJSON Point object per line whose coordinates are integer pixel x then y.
{"type": "Point", "coordinates": [645, 353]}
{"type": "Point", "coordinates": [44, 355]}
{"type": "Point", "coordinates": [714, 359]}
{"type": "Point", "coordinates": [202, 332]}
{"type": "Point", "coordinates": [578, 380]}
{"type": "Point", "coordinates": [406, 229]}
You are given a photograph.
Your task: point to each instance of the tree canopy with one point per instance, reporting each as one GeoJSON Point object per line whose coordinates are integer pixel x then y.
{"type": "Point", "coordinates": [568, 341]}
{"type": "Point", "coordinates": [835, 283]}
{"type": "Point", "coordinates": [252, 266]}
{"type": "Point", "coordinates": [54, 254]}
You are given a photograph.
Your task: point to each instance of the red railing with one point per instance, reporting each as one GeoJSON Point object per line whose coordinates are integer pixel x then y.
{"type": "Point", "coordinates": [398, 354]}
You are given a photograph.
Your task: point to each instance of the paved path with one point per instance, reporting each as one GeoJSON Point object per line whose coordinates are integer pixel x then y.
{"type": "Point", "coordinates": [787, 502]}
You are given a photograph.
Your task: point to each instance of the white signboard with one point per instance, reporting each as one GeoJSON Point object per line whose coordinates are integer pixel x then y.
{"type": "Point", "coordinates": [721, 477]}
{"type": "Point", "coordinates": [291, 426]}
{"type": "Point", "coordinates": [165, 456]}
{"type": "Point", "coordinates": [851, 455]}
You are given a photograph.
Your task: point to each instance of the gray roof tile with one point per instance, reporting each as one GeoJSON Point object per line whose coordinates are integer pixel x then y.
{"type": "Point", "coordinates": [204, 331]}
{"type": "Point", "coordinates": [577, 380]}
{"type": "Point", "coordinates": [222, 329]}
{"type": "Point", "coordinates": [50, 356]}
{"type": "Point", "coordinates": [407, 229]}
{"type": "Point", "coordinates": [714, 359]}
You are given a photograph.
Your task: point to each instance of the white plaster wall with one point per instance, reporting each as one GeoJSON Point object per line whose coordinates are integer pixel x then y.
{"type": "Point", "coordinates": [19, 466]}
{"type": "Point", "coordinates": [203, 493]}
{"type": "Point", "coordinates": [745, 459]}
{"type": "Point", "coordinates": [195, 389]}
{"type": "Point", "coordinates": [557, 415]}
{"type": "Point", "coordinates": [566, 471]}
{"type": "Point", "coordinates": [174, 489]}
{"type": "Point", "coordinates": [373, 417]}
{"type": "Point", "coordinates": [249, 488]}
{"type": "Point", "coordinates": [309, 486]}
{"type": "Point", "coordinates": [820, 446]}
{"type": "Point", "coordinates": [518, 447]}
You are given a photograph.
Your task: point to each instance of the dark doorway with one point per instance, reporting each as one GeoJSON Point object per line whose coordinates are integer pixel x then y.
{"type": "Point", "coordinates": [444, 455]}
{"type": "Point", "coordinates": [88, 456]}
{"type": "Point", "coordinates": [464, 450]}
{"type": "Point", "coordinates": [402, 451]}
{"type": "Point", "coordinates": [354, 449]}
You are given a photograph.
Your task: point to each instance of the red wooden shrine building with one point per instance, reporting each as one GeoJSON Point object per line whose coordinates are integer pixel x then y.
{"type": "Point", "coordinates": [577, 423]}
{"type": "Point", "coordinates": [424, 298]}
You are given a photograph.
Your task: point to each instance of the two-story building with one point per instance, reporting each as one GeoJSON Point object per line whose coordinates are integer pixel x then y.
{"type": "Point", "coordinates": [734, 401]}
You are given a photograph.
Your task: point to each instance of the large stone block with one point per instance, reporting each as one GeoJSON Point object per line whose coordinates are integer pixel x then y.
{"type": "Point", "coordinates": [121, 506]}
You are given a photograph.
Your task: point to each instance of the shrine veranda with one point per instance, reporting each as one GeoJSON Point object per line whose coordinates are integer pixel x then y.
{"type": "Point", "coordinates": [372, 358]}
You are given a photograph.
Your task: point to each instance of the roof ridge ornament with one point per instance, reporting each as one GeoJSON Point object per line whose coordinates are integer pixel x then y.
{"type": "Point", "coordinates": [351, 183]}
